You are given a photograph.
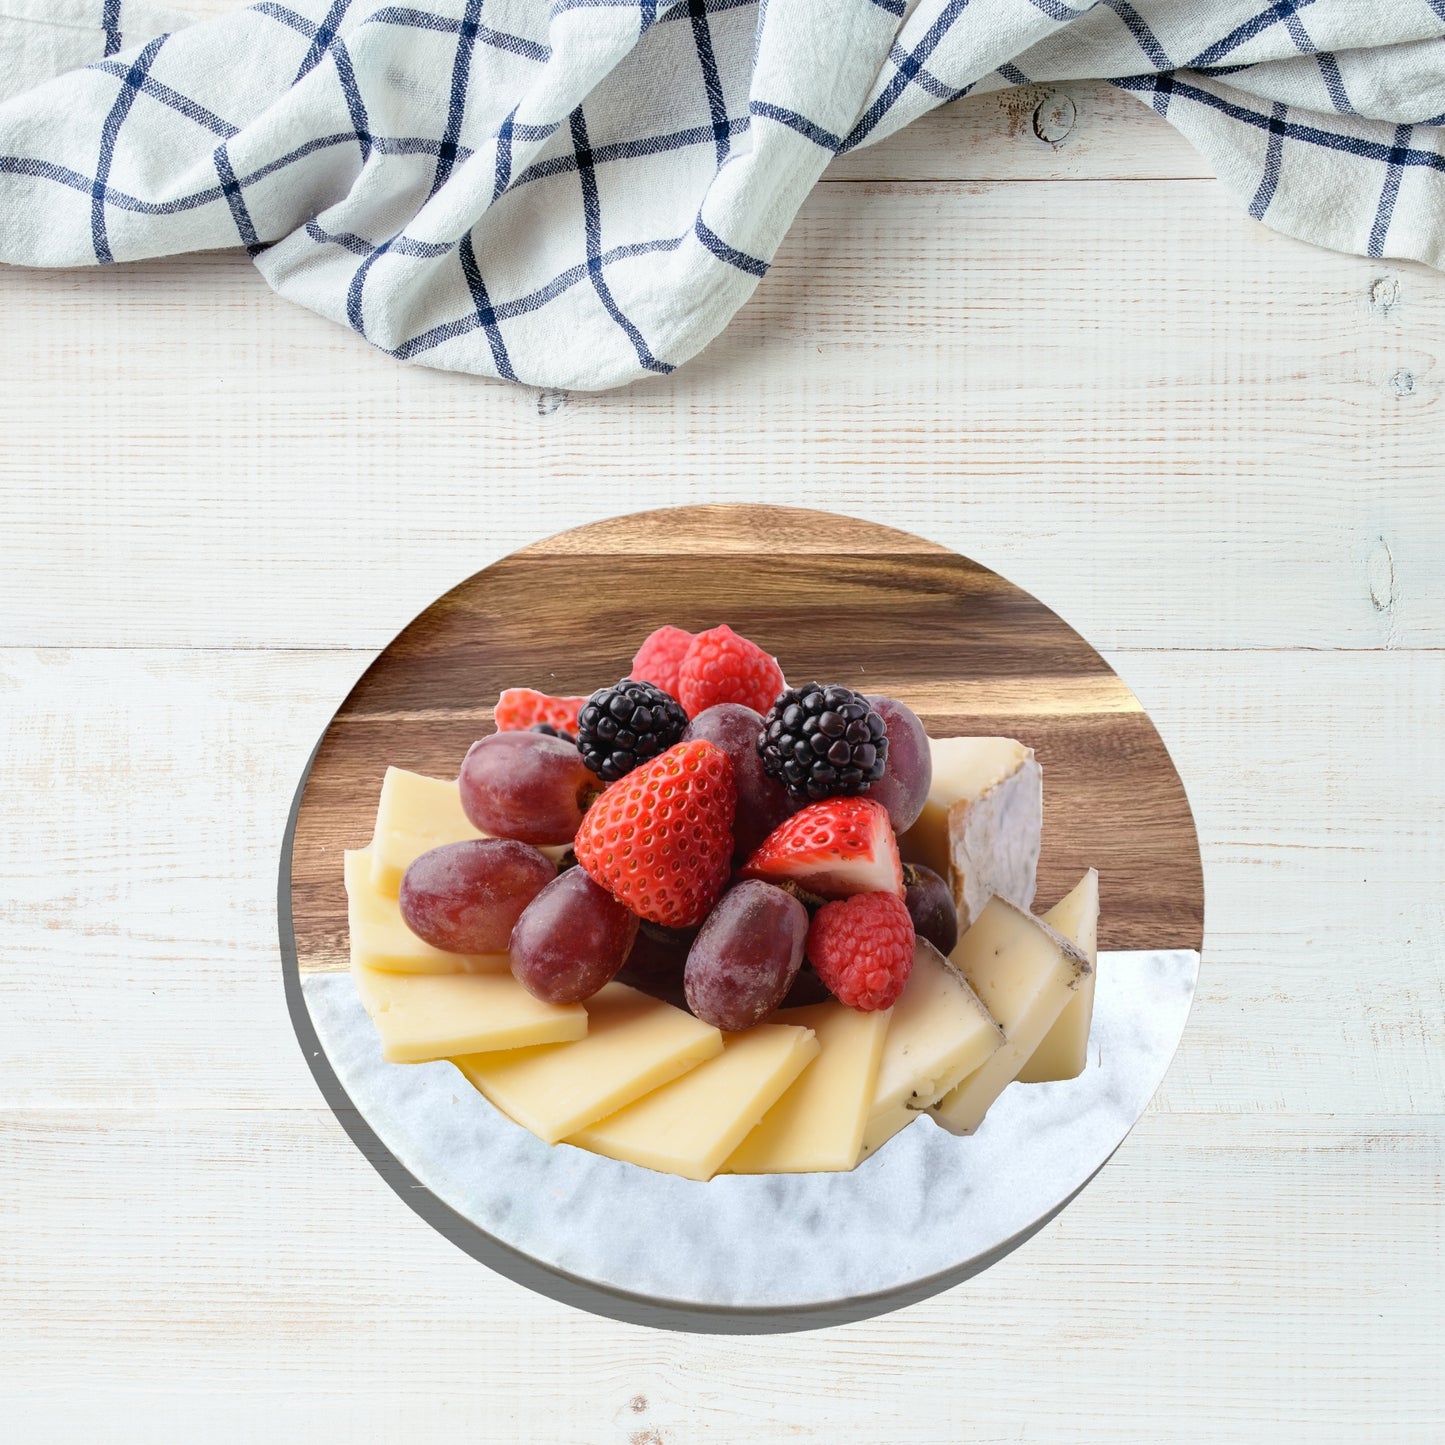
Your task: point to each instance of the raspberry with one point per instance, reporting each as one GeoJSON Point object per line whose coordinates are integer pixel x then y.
{"type": "Point", "coordinates": [720, 666]}
{"type": "Point", "coordinates": [862, 948]}
{"type": "Point", "coordinates": [519, 708]}
{"type": "Point", "coordinates": [660, 839]}
{"type": "Point", "coordinates": [660, 657]}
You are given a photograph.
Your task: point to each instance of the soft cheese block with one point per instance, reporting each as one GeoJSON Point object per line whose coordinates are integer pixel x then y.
{"type": "Point", "coordinates": [1025, 973]}
{"type": "Point", "coordinates": [982, 823]}
{"type": "Point", "coordinates": [426, 1016]}
{"type": "Point", "coordinates": [634, 1044]}
{"type": "Point", "coordinates": [690, 1126]}
{"type": "Point", "coordinates": [818, 1124]}
{"type": "Point", "coordinates": [380, 938]}
{"type": "Point", "coordinates": [940, 1033]}
{"type": "Point", "coordinates": [1065, 1049]}
{"type": "Point", "coordinates": [415, 814]}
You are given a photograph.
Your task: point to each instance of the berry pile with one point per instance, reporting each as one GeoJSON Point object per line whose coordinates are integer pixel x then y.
{"type": "Point", "coordinates": [726, 854]}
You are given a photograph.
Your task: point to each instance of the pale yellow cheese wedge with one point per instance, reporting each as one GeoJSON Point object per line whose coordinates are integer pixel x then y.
{"type": "Point", "coordinates": [1065, 1049]}
{"type": "Point", "coordinates": [691, 1125]}
{"type": "Point", "coordinates": [1025, 973]}
{"type": "Point", "coordinates": [634, 1045]}
{"type": "Point", "coordinates": [425, 1016]}
{"type": "Point", "coordinates": [818, 1124]}
{"type": "Point", "coordinates": [982, 823]}
{"type": "Point", "coordinates": [414, 815]}
{"type": "Point", "coordinates": [380, 938]}
{"type": "Point", "coordinates": [939, 1034]}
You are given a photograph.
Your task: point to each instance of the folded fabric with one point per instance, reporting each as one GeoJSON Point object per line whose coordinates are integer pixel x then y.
{"type": "Point", "coordinates": [582, 192]}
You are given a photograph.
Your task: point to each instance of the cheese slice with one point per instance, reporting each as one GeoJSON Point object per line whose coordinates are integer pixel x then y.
{"type": "Point", "coordinates": [939, 1034]}
{"type": "Point", "coordinates": [634, 1044]}
{"type": "Point", "coordinates": [425, 1016]}
{"type": "Point", "coordinates": [1065, 1049]}
{"type": "Point", "coordinates": [380, 938]}
{"type": "Point", "coordinates": [690, 1126]}
{"type": "Point", "coordinates": [818, 1124]}
{"type": "Point", "coordinates": [415, 814]}
{"type": "Point", "coordinates": [982, 823]}
{"type": "Point", "coordinates": [1025, 973]}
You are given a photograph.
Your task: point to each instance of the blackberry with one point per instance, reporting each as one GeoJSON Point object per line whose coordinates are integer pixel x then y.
{"type": "Point", "coordinates": [823, 742]}
{"type": "Point", "coordinates": [547, 730]}
{"type": "Point", "coordinates": [624, 725]}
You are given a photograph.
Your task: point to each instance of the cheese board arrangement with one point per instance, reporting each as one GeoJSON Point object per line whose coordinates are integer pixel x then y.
{"type": "Point", "coordinates": [698, 984]}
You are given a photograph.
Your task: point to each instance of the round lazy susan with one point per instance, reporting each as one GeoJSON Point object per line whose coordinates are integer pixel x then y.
{"type": "Point", "coordinates": [843, 601]}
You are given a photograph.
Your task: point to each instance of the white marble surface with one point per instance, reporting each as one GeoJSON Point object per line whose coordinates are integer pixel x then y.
{"type": "Point", "coordinates": [926, 1204]}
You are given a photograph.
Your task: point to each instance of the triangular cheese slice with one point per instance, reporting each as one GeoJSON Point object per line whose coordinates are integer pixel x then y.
{"type": "Point", "coordinates": [1065, 1049]}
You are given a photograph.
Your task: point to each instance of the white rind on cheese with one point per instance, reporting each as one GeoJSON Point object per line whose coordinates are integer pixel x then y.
{"type": "Point", "coordinates": [380, 938]}
{"type": "Point", "coordinates": [1065, 1049]}
{"type": "Point", "coordinates": [634, 1044]}
{"type": "Point", "coordinates": [422, 1017]}
{"type": "Point", "coordinates": [690, 1126]}
{"type": "Point", "coordinates": [939, 1033]}
{"type": "Point", "coordinates": [817, 1126]}
{"type": "Point", "coordinates": [1025, 973]}
{"type": "Point", "coordinates": [983, 822]}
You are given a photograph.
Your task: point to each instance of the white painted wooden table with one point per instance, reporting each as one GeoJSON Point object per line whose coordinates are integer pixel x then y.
{"type": "Point", "coordinates": [1216, 451]}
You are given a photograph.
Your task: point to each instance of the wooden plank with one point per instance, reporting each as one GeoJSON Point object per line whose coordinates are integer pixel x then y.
{"type": "Point", "coordinates": [140, 838]}
{"type": "Point", "coordinates": [1183, 432]}
{"type": "Point", "coordinates": [152, 1251]}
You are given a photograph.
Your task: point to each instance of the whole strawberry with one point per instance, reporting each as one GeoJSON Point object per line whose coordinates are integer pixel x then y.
{"type": "Point", "coordinates": [520, 708]}
{"type": "Point", "coordinates": [659, 659]}
{"type": "Point", "coordinates": [720, 666]}
{"type": "Point", "coordinates": [862, 949]}
{"type": "Point", "coordinates": [660, 839]}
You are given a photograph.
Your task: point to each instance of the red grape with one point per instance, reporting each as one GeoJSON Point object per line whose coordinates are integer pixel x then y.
{"type": "Point", "coordinates": [903, 788]}
{"type": "Point", "coordinates": [763, 802]}
{"type": "Point", "coordinates": [526, 786]}
{"type": "Point", "coordinates": [571, 940]}
{"type": "Point", "coordinates": [929, 901]}
{"type": "Point", "coordinates": [656, 962]}
{"type": "Point", "coordinates": [746, 956]}
{"type": "Point", "coordinates": [467, 897]}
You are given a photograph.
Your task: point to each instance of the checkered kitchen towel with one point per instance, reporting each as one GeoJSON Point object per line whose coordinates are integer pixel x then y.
{"type": "Point", "coordinates": [579, 192]}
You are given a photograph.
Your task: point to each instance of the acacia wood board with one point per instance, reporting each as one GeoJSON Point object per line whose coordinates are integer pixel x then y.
{"type": "Point", "coordinates": [833, 598]}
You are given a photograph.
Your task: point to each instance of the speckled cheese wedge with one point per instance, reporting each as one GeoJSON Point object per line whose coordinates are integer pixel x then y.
{"type": "Point", "coordinates": [1065, 1049]}
{"type": "Point", "coordinates": [690, 1126]}
{"type": "Point", "coordinates": [634, 1044]}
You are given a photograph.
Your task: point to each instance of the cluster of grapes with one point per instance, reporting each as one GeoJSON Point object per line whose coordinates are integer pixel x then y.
{"type": "Point", "coordinates": [567, 936]}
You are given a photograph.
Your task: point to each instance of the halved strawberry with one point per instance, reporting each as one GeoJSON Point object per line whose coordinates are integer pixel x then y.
{"type": "Point", "coordinates": [520, 708]}
{"type": "Point", "coordinates": [835, 849]}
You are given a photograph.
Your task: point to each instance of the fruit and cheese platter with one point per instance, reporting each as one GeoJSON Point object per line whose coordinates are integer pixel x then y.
{"type": "Point", "coordinates": [721, 947]}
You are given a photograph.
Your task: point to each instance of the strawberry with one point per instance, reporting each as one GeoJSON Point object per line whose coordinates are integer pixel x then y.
{"type": "Point", "coordinates": [862, 948]}
{"type": "Point", "coordinates": [720, 666]}
{"type": "Point", "coordinates": [660, 657]}
{"type": "Point", "coordinates": [519, 708]}
{"type": "Point", "coordinates": [660, 839]}
{"type": "Point", "coordinates": [833, 848]}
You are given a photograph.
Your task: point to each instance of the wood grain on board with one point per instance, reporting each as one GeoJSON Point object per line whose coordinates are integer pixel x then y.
{"type": "Point", "coordinates": [832, 598]}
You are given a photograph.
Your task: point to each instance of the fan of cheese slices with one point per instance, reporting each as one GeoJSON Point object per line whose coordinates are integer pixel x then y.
{"type": "Point", "coordinates": [812, 1089]}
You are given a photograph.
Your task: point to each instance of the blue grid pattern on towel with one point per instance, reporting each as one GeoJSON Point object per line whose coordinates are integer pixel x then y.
{"type": "Point", "coordinates": [701, 110]}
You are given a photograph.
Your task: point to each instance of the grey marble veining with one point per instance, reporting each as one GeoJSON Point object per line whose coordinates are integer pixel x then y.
{"type": "Point", "coordinates": [924, 1204]}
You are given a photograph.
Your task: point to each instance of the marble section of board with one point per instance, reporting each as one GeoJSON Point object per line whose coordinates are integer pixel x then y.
{"type": "Point", "coordinates": [776, 1241]}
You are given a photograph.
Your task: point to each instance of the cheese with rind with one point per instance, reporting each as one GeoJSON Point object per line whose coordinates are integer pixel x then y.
{"type": "Point", "coordinates": [1025, 973]}
{"type": "Point", "coordinates": [690, 1126]}
{"type": "Point", "coordinates": [1065, 1049]}
{"type": "Point", "coordinates": [634, 1044]}
{"type": "Point", "coordinates": [381, 940]}
{"type": "Point", "coordinates": [939, 1034]}
{"type": "Point", "coordinates": [818, 1124]}
{"type": "Point", "coordinates": [982, 824]}
{"type": "Point", "coordinates": [427, 1016]}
